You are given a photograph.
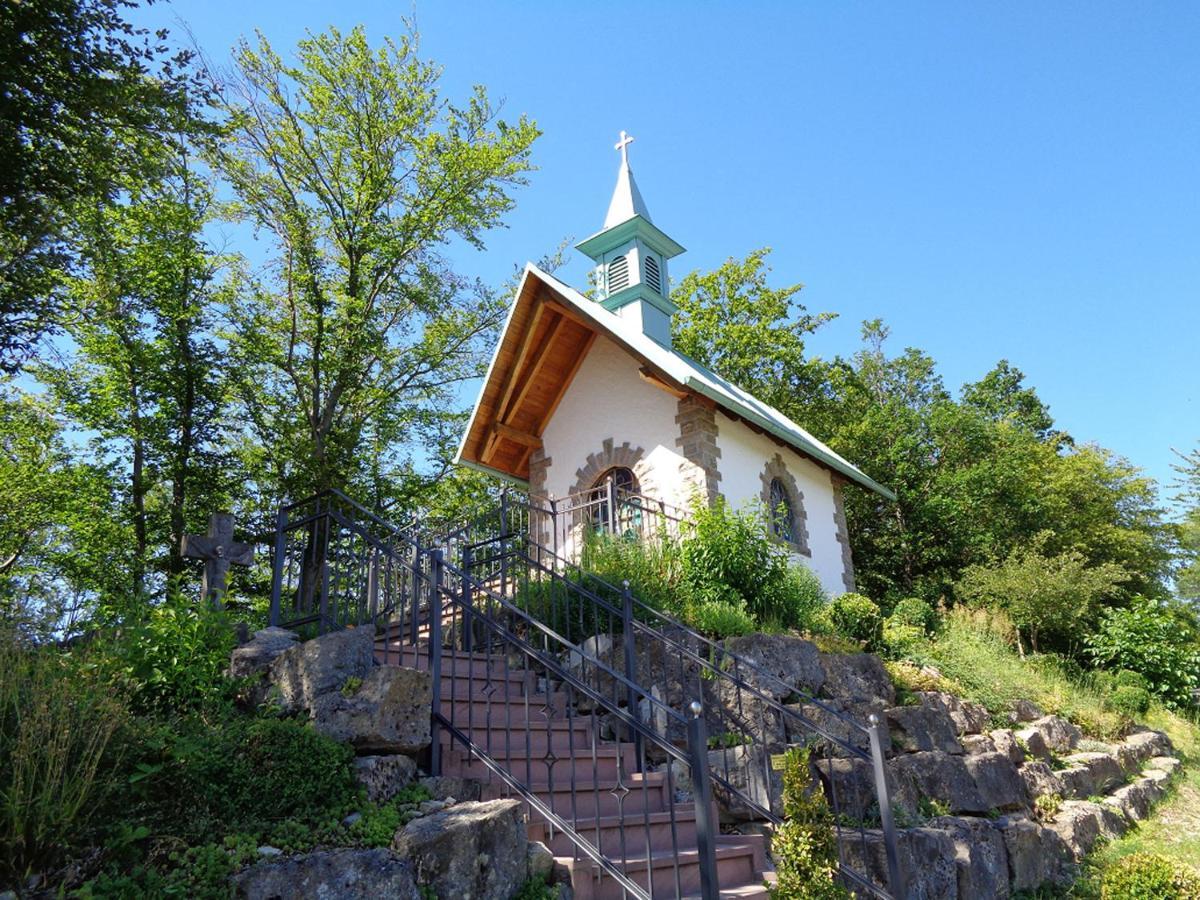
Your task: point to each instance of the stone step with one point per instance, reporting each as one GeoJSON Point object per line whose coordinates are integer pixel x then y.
{"type": "Point", "coordinates": [574, 733]}
{"type": "Point", "coordinates": [590, 797]}
{"type": "Point", "coordinates": [458, 706]}
{"type": "Point", "coordinates": [602, 762]}
{"type": "Point", "coordinates": [663, 829]}
{"type": "Point", "coordinates": [667, 873]}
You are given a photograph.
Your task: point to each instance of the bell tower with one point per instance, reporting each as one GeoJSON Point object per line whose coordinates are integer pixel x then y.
{"type": "Point", "coordinates": [631, 255]}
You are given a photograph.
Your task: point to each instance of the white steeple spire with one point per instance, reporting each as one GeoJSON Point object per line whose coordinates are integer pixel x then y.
{"type": "Point", "coordinates": [627, 200]}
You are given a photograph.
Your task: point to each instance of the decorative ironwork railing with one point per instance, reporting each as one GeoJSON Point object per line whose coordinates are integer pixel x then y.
{"type": "Point", "coordinates": [489, 610]}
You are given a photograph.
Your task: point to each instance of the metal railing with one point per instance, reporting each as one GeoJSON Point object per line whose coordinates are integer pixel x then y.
{"type": "Point", "coordinates": [543, 658]}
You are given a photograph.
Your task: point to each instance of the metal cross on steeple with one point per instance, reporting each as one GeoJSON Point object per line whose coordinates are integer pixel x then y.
{"type": "Point", "coordinates": [623, 146]}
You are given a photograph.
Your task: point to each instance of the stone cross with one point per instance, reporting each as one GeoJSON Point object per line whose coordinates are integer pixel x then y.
{"type": "Point", "coordinates": [219, 551]}
{"type": "Point", "coordinates": [623, 146]}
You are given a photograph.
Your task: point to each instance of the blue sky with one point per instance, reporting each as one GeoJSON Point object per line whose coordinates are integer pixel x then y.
{"type": "Point", "coordinates": [1015, 181]}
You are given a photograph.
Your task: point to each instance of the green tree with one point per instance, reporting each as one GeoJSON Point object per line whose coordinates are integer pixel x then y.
{"type": "Point", "coordinates": [1187, 579]}
{"type": "Point", "coordinates": [351, 344]}
{"type": "Point", "coordinates": [1047, 597]}
{"type": "Point", "coordinates": [146, 377]}
{"type": "Point", "coordinates": [77, 78]}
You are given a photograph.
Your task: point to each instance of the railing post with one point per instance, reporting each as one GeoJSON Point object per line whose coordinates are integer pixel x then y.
{"type": "Point", "coordinates": [468, 612]}
{"type": "Point", "coordinates": [277, 574]}
{"type": "Point", "coordinates": [414, 599]}
{"type": "Point", "coordinates": [435, 660]}
{"type": "Point", "coordinates": [631, 669]}
{"type": "Point", "coordinates": [896, 883]}
{"type": "Point", "coordinates": [611, 499]}
{"type": "Point", "coordinates": [504, 543]}
{"type": "Point", "coordinates": [706, 829]}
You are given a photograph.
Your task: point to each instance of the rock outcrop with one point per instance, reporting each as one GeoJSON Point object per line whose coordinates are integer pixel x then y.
{"type": "Point", "coordinates": [349, 874]}
{"type": "Point", "coordinates": [473, 851]}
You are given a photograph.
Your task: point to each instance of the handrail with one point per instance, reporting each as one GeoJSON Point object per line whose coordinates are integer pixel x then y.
{"type": "Point", "coordinates": [350, 564]}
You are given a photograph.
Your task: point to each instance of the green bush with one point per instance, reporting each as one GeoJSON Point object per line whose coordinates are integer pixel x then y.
{"type": "Point", "coordinates": [720, 618]}
{"type": "Point", "coordinates": [1048, 598]}
{"type": "Point", "coordinates": [804, 846]}
{"type": "Point", "coordinates": [651, 567]}
{"type": "Point", "coordinates": [58, 722]}
{"type": "Point", "coordinates": [173, 660]}
{"type": "Point", "coordinates": [901, 640]}
{"type": "Point", "coordinates": [1126, 678]}
{"type": "Point", "coordinates": [1147, 639]}
{"type": "Point", "coordinates": [1131, 700]}
{"type": "Point", "coordinates": [1148, 876]}
{"type": "Point", "coordinates": [858, 618]}
{"type": "Point", "coordinates": [732, 553]}
{"type": "Point", "coordinates": [915, 613]}
{"type": "Point", "coordinates": [195, 781]}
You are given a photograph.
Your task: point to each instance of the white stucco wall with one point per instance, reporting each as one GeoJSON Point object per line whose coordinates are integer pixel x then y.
{"type": "Point", "coordinates": [608, 399]}
{"type": "Point", "coordinates": [744, 455]}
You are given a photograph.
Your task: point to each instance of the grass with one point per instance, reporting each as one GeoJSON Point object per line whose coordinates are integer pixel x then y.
{"type": "Point", "coordinates": [1172, 831]}
{"type": "Point", "coordinates": [972, 655]}
{"type": "Point", "coordinates": [974, 659]}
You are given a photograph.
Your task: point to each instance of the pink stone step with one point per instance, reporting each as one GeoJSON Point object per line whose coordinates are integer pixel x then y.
{"type": "Point", "coordinates": [665, 872]}
{"type": "Point", "coordinates": [665, 830]}
{"type": "Point", "coordinates": [591, 798]}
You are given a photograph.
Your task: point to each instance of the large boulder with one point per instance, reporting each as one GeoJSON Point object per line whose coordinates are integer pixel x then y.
{"type": "Point", "coordinates": [1036, 854]}
{"type": "Point", "coordinates": [917, 728]}
{"type": "Point", "coordinates": [832, 726]}
{"type": "Point", "coordinates": [324, 874]}
{"type": "Point", "coordinates": [472, 851]}
{"type": "Point", "coordinates": [779, 664]}
{"type": "Point", "coordinates": [1040, 780]}
{"type": "Point", "coordinates": [980, 855]}
{"type": "Point", "coordinates": [1089, 774]}
{"type": "Point", "coordinates": [1060, 736]}
{"type": "Point", "coordinates": [256, 656]}
{"type": "Point", "coordinates": [321, 666]}
{"type": "Point", "coordinates": [968, 716]}
{"type": "Point", "coordinates": [1004, 741]}
{"type": "Point", "coordinates": [384, 776]}
{"type": "Point", "coordinates": [1142, 745]}
{"type": "Point", "coordinates": [928, 860]}
{"type": "Point", "coordinates": [1080, 824]}
{"type": "Point", "coordinates": [744, 780]}
{"type": "Point", "coordinates": [1134, 800]}
{"type": "Point", "coordinates": [942, 777]}
{"type": "Point", "coordinates": [849, 785]}
{"type": "Point", "coordinates": [856, 677]}
{"type": "Point", "coordinates": [387, 713]}
{"type": "Point", "coordinates": [1025, 711]}
{"type": "Point", "coordinates": [999, 784]}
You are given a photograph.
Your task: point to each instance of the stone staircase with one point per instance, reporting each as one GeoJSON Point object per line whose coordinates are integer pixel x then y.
{"type": "Point", "coordinates": [590, 782]}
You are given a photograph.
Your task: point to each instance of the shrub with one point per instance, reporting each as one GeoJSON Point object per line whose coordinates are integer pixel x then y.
{"type": "Point", "coordinates": [901, 640]}
{"type": "Point", "coordinates": [651, 567]}
{"type": "Point", "coordinates": [1126, 678]}
{"type": "Point", "coordinates": [1045, 596]}
{"type": "Point", "coordinates": [804, 847]}
{"type": "Point", "coordinates": [1147, 639]}
{"type": "Point", "coordinates": [1148, 876]}
{"type": "Point", "coordinates": [915, 613]}
{"type": "Point", "coordinates": [795, 600]}
{"type": "Point", "coordinates": [57, 724]}
{"type": "Point", "coordinates": [196, 781]}
{"type": "Point", "coordinates": [1131, 700]}
{"type": "Point", "coordinates": [720, 618]}
{"type": "Point", "coordinates": [858, 618]}
{"type": "Point", "coordinates": [173, 660]}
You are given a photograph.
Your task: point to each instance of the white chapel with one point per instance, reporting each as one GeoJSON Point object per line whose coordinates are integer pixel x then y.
{"type": "Point", "coordinates": [583, 394]}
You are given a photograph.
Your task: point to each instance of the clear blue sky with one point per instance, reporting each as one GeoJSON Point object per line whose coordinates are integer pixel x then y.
{"type": "Point", "coordinates": [1014, 181]}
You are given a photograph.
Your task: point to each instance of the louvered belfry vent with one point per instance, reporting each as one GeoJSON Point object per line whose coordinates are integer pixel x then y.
{"type": "Point", "coordinates": [618, 275]}
{"type": "Point", "coordinates": [653, 278]}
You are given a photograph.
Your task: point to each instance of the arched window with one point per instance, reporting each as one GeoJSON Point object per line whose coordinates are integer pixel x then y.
{"type": "Point", "coordinates": [783, 515]}
{"type": "Point", "coordinates": [653, 277]}
{"type": "Point", "coordinates": [625, 498]}
{"type": "Point", "coordinates": [618, 275]}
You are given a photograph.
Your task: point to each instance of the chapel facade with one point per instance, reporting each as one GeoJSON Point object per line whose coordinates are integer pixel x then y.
{"type": "Point", "coordinates": [586, 397]}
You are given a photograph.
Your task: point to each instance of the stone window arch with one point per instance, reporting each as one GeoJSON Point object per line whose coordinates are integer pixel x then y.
{"type": "Point", "coordinates": [784, 502]}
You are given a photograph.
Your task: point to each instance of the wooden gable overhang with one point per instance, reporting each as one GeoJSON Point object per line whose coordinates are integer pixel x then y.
{"type": "Point", "coordinates": [543, 345]}
{"type": "Point", "coordinates": [541, 349]}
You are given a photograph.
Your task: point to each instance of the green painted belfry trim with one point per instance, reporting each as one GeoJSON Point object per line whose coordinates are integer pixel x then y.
{"type": "Point", "coordinates": [639, 292]}
{"type": "Point", "coordinates": [637, 227]}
